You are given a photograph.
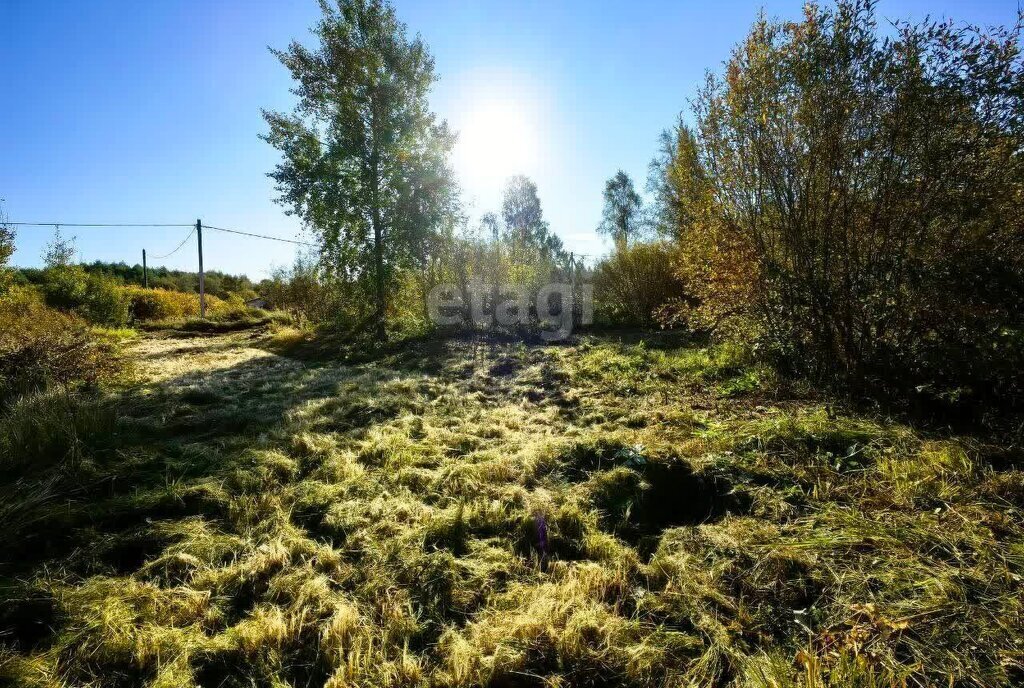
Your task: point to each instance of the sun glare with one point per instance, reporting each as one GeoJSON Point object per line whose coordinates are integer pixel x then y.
{"type": "Point", "coordinates": [497, 138]}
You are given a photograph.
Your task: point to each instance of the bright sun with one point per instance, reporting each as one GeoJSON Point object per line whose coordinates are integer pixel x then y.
{"type": "Point", "coordinates": [497, 138]}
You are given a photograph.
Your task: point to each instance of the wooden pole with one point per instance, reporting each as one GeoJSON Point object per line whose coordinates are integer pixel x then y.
{"type": "Point", "coordinates": [572, 284]}
{"type": "Point", "coordinates": [202, 277]}
{"type": "Point", "coordinates": [145, 271]}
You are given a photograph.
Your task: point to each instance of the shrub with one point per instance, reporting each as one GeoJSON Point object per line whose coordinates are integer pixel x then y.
{"type": "Point", "coordinates": [40, 345]}
{"type": "Point", "coordinates": [862, 196]}
{"type": "Point", "coordinates": [161, 304]}
{"type": "Point", "coordinates": [233, 322]}
{"type": "Point", "coordinates": [64, 287]}
{"type": "Point", "coordinates": [302, 290]}
{"type": "Point", "coordinates": [95, 297]}
{"type": "Point", "coordinates": [231, 308]}
{"type": "Point", "coordinates": [634, 282]}
{"type": "Point", "coordinates": [106, 303]}
{"type": "Point", "coordinates": [148, 305]}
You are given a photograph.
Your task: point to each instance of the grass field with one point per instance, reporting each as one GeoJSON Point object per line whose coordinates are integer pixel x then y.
{"type": "Point", "coordinates": [611, 512]}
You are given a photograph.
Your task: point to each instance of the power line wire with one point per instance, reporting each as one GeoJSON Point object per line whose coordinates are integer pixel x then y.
{"type": "Point", "coordinates": [258, 236]}
{"type": "Point", "coordinates": [156, 224]}
{"type": "Point", "coordinates": [152, 224]}
{"type": "Point", "coordinates": [93, 224]}
{"type": "Point", "coordinates": [168, 255]}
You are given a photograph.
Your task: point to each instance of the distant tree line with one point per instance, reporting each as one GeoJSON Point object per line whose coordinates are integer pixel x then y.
{"type": "Point", "coordinates": [217, 283]}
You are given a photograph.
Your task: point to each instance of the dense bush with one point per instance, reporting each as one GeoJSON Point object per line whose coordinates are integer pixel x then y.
{"type": "Point", "coordinates": [161, 304]}
{"type": "Point", "coordinates": [232, 307]}
{"type": "Point", "coordinates": [102, 301]}
{"type": "Point", "coordinates": [301, 290]}
{"type": "Point", "coordinates": [632, 284]}
{"type": "Point", "coordinates": [40, 345]}
{"type": "Point", "coordinates": [859, 199]}
{"type": "Point", "coordinates": [148, 305]}
{"type": "Point", "coordinates": [96, 297]}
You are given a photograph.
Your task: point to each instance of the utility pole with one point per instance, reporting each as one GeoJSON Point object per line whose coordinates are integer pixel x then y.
{"type": "Point", "coordinates": [572, 284]}
{"type": "Point", "coordinates": [145, 271]}
{"type": "Point", "coordinates": [202, 277]}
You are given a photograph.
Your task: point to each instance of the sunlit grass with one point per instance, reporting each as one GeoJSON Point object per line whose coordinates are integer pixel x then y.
{"type": "Point", "coordinates": [597, 514]}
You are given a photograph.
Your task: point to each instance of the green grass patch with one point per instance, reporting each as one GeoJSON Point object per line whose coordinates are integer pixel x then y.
{"type": "Point", "coordinates": [469, 513]}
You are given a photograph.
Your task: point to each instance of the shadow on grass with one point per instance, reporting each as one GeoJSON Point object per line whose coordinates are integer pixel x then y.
{"type": "Point", "coordinates": [85, 508]}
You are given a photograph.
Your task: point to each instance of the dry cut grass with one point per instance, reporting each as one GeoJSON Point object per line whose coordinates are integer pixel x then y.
{"type": "Point", "coordinates": [606, 513]}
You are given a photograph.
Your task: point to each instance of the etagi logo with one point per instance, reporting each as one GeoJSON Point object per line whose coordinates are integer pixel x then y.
{"type": "Point", "coordinates": [557, 307]}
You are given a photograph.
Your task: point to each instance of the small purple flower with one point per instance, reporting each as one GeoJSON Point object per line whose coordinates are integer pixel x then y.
{"type": "Point", "coordinates": [541, 524]}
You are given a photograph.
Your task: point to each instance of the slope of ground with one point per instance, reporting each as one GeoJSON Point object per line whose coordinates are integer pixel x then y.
{"type": "Point", "coordinates": [458, 514]}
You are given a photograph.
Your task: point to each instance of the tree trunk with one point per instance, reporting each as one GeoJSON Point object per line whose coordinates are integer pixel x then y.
{"type": "Point", "coordinates": [378, 234]}
{"type": "Point", "coordinates": [378, 255]}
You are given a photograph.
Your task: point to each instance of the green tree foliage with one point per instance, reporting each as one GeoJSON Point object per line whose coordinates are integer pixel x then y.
{"type": "Point", "coordinates": [525, 226]}
{"type": "Point", "coordinates": [499, 271]}
{"type": "Point", "coordinates": [219, 284]}
{"type": "Point", "coordinates": [868, 189]}
{"type": "Point", "coordinates": [6, 251]}
{"type": "Point", "coordinates": [303, 290]}
{"type": "Point", "coordinates": [94, 296]}
{"type": "Point", "coordinates": [680, 184]}
{"type": "Point", "coordinates": [60, 252]}
{"type": "Point", "coordinates": [716, 265]}
{"type": "Point", "coordinates": [622, 217]}
{"type": "Point", "coordinates": [365, 162]}
{"type": "Point", "coordinates": [490, 226]}
{"type": "Point", "coordinates": [635, 282]}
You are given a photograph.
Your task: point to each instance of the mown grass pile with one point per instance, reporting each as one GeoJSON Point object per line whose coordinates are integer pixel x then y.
{"type": "Point", "coordinates": [606, 513]}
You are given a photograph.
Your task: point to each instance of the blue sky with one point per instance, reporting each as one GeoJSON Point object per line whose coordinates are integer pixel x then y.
{"type": "Point", "coordinates": [150, 111]}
